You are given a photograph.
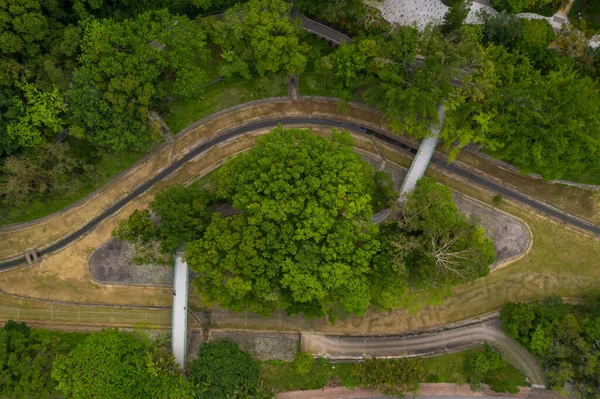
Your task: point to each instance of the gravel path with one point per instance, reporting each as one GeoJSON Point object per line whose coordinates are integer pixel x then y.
{"type": "Point", "coordinates": [341, 347]}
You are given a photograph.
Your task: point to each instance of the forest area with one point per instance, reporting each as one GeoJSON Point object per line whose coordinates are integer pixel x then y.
{"type": "Point", "coordinates": [83, 82]}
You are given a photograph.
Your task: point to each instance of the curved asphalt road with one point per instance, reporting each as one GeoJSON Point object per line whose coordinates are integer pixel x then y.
{"type": "Point", "coordinates": [298, 121]}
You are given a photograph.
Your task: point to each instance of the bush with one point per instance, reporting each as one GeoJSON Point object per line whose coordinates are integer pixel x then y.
{"type": "Point", "coordinates": [223, 370]}
{"type": "Point", "coordinates": [303, 362]}
{"type": "Point", "coordinates": [498, 200]}
{"type": "Point", "coordinates": [487, 367]}
{"type": "Point", "coordinates": [390, 377]}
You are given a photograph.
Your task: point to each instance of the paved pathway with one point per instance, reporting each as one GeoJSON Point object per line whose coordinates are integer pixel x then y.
{"type": "Point", "coordinates": [342, 347]}
{"type": "Point", "coordinates": [180, 299]}
{"type": "Point", "coordinates": [428, 391]}
{"type": "Point", "coordinates": [321, 29]}
{"type": "Point", "coordinates": [422, 158]}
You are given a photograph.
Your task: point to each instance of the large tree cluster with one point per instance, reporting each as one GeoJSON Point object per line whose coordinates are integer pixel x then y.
{"type": "Point", "coordinates": [563, 336]}
{"type": "Point", "coordinates": [501, 86]}
{"type": "Point", "coordinates": [300, 237]}
{"type": "Point", "coordinates": [92, 76]}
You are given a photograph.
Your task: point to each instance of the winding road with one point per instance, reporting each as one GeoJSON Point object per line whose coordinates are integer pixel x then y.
{"type": "Point", "coordinates": [342, 347]}
{"type": "Point", "coordinates": [354, 127]}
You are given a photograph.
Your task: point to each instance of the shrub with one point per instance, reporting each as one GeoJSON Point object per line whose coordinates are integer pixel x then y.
{"type": "Point", "coordinates": [303, 362]}
{"type": "Point", "coordinates": [223, 370]}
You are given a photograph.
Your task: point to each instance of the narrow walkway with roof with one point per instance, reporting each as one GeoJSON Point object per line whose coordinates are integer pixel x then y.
{"type": "Point", "coordinates": [422, 158]}
{"type": "Point", "coordinates": [180, 299]}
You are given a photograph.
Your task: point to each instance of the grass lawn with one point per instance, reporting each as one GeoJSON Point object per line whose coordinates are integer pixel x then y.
{"type": "Point", "coordinates": [279, 376]}
{"type": "Point", "coordinates": [219, 96]}
{"type": "Point", "coordinates": [106, 169]}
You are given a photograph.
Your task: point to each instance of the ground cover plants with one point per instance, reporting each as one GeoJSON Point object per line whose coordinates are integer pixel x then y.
{"type": "Point", "coordinates": [396, 376]}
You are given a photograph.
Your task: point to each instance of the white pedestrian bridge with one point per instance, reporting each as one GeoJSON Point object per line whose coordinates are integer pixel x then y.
{"type": "Point", "coordinates": [180, 303]}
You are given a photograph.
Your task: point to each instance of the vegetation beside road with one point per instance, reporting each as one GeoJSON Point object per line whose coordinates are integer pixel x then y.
{"type": "Point", "coordinates": [473, 366]}
{"type": "Point", "coordinates": [564, 337]}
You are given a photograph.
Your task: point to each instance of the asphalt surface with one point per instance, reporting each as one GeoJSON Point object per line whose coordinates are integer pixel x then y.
{"type": "Point", "coordinates": [69, 239]}
{"type": "Point", "coordinates": [180, 299]}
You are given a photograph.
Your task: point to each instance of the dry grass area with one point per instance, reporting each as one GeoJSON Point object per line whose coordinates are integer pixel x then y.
{"type": "Point", "coordinates": [42, 313]}
{"type": "Point", "coordinates": [574, 200]}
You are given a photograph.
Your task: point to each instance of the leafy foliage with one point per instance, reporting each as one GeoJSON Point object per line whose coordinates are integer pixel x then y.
{"type": "Point", "coordinates": [435, 242]}
{"type": "Point", "coordinates": [118, 365]}
{"type": "Point", "coordinates": [125, 67]}
{"type": "Point", "coordinates": [303, 241]}
{"type": "Point", "coordinates": [455, 17]}
{"type": "Point", "coordinates": [517, 6]}
{"type": "Point", "coordinates": [564, 337]}
{"type": "Point", "coordinates": [183, 214]}
{"type": "Point", "coordinates": [483, 364]}
{"type": "Point", "coordinates": [222, 370]}
{"type": "Point", "coordinates": [352, 65]}
{"type": "Point", "coordinates": [39, 119]}
{"type": "Point", "coordinates": [259, 37]}
{"type": "Point", "coordinates": [390, 377]}
{"type": "Point", "coordinates": [46, 170]}
{"type": "Point", "coordinates": [303, 362]}
{"type": "Point", "coordinates": [544, 124]}
{"type": "Point", "coordinates": [26, 358]}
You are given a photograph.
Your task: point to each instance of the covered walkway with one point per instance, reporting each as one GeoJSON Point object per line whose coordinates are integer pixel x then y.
{"type": "Point", "coordinates": [180, 299]}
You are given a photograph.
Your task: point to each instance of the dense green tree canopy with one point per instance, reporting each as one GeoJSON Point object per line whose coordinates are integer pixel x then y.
{"type": "Point", "coordinates": [110, 364]}
{"type": "Point", "coordinates": [127, 65]}
{"type": "Point", "coordinates": [183, 213]}
{"type": "Point", "coordinates": [545, 124]}
{"type": "Point", "coordinates": [304, 241]}
{"type": "Point", "coordinates": [26, 358]}
{"type": "Point", "coordinates": [223, 371]}
{"type": "Point", "coordinates": [352, 65]}
{"type": "Point", "coordinates": [259, 37]}
{"type": "Point", "coordinates": [408, 90]}
{"type": "Point", "coordinates": [564, 337]}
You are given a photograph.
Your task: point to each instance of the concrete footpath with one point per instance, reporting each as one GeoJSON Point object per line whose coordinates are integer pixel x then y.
{"type": "Point", "coordinates": [448, 391]}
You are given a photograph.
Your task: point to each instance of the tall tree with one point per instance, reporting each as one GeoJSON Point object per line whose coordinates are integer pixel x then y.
{"type": "Point", "coordinates": [304, 241]}
{"type": "Point", "coordinates": [352, 65]}
{"type": "Point", "coordinates": [259, 37]}
{"type": "Point", "coordinates": [39, 118]}
{"type": "Point", "coordinates": [223, 371]}
{"type": "Point", "coordinates": [442, 245]}
{"type": "Point", "coordinates": [455, 17]}
{"type": "Point", "coordinates": [125, 67]}
{"type": "Point", "coordinates": [409, 91]}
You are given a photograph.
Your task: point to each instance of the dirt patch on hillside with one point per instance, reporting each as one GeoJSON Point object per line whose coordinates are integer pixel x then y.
{"type": "Point", "coordinates": [112, 263]}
